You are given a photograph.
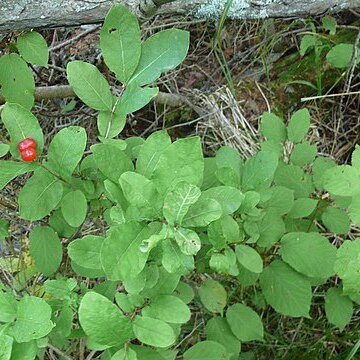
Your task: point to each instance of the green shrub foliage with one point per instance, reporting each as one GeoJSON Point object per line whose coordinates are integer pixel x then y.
{"type": "Point", "coordinates": [171, 216]}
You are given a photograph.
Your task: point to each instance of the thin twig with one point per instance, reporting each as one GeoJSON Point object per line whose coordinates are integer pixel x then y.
{"type": "Point", "coordinates": [59, 352]}
{"type": "Point", "coordinates": [75, 38]}
{"type": "Point", "coordinates": [329, 95]}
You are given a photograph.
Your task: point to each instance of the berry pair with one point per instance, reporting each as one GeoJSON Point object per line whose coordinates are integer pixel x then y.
{"type": "Point", "coordinates": [27, 149]}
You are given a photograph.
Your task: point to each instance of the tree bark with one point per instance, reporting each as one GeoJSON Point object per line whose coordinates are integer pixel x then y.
{"type": "Point", "coordinates": [19, 15]}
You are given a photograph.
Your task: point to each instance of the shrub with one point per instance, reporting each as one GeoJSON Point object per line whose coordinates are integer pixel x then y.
{"type": "Point", "coordinates": [184, 233]}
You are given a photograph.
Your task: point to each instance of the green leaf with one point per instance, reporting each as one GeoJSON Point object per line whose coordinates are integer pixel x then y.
{"type": "Point", "coordinates": [288, 292]}
{"type": "Point", "coordinates": [58, 223]}
{"type": "Point", "coordinates": [281, 200]}
{"type": "Point", "coordinates": [310, 254]}
{"type": "Point", "coordinates": [202, 213]}
{"type": "Point", "coordinates": [153, 332]}
{"type": "Point", "coordinates": [271, 228]}
{"type": "Point", "coordinates": [338, 308]}
{"type": "Point", "coordinates": [244, 322]}
{"type": "Point", "coordinates": [271, 146]}
{"type": "Point", "coordinates": [63, 323]}
{"type": "Point", "coordinates": [178, 201]}
{"type": "Point", "coordinates": [220, 263]}
{"type": "Point", "coordinates": [66, 150]}
{"type": "Point", "coordinates": [149, 155]}
{"type": "Point", "coordinates": [8, 306]}
{"type": "Point", "coordinates": [16, 80]}
{"type": "Point", "coordinates": [340, 55]}
{"type": "Point", "coordinates": [329, 23]}
{"type": "Point", "coordinates": [10, 170]}
{"type": "Point", "coordinates": [336, 220]}
{"type": "Point", "coordinates": [302, 207]}
{"type": "Point", "coordinates": [245, 277]}
{"type": "Point", "coordinates": [273, 128]}
{"type": "Point", "coordinates": [4, 149]}
{"type": "Point", "coordinates": [87, 272]}
{"type": "Point", "coordinates": [120, 255]}
{"type": "Point", "coordinates": [229, 165]}
{"type": "Point", "coordinates": [111, 123]}
{"type": "Point", "coordinates": [6, 343]}
{"type": "Point", "coordinates": [46, 249]}
{"type": "Point", "coordinates": [294, 178]}
{"type": "Point", "coordinates": [299, 125]}
{"type": "Point", "coordinates": [74, 208]}
{"type": "Point", "coordinates": [188, 241]}
{"type": "Point", "coordinates": [185, 292]}
{"type": "Point", "coordinates": [24, 351]}
{"type": "Point", "coordinates": [136, 284]}
{"type": "Point", "coordinates": [33, 48]}
{"type": "Point", "coordinates": [223, 231]}
{"type": "Point", "coordinates": [258, 170]}
{"type": "Point", "coordinates": [120, 42]}
{"type": "Point", "coordinates": [342, 180]}
{"type": "Point", "coordinates": [123, 301]}
{"type": "Point", "coordinates": [161, 52]}
{"type": "Point", "coordinates": [228, 157]}
{"type": "Point", "coordinates": [33, 320]}
{"type": "Point", "coordinates": [213, 295]}
{"type": "Point", "coordinates": [168, 308]}
{"type": "Point", "coordinates": [89, 85]}
{"type": "Point", "coordinates": [347, 265]}
{"type": "Point", "coordinates": [355, 157]}
{"type": "Point", "coordinates": [206, 350]}
{"type": "Point", "coordinates": [321, 164]}
{"type": "Point", "coordinates": [303, 153]}
{"type": "Point", "coordinates": [174, 260]}
{"type": "Point", "coordinates": [127, 354]}
{"type": "Point", "coordinates": [133, 146]}
{"type": "Point", "coordinates": [182, 161]}
{"type": "Point", "coordinates": [61, 288]}
{"type": "Point", "coordinates": [20, 124]}
{"type": "Point", "coordinates": [106, 288]}
{"type": "Point", "coordinates": [135, 97]}
{"type": "Point", "coordinates": [103, 321]}
{"type": "Point", "coordinates": [111, 161]}
{"type": "Point", "coordinates": [354, 210]}
{"type": "Point", "coordinates": [217, 329]}
{"type": "Point", "coordinates": [249, 258]}
{"type": "Point", "coordinates": [40, 195]}
{"type": "Point", "coordinates": [146, 353]}
{"type": "Point", "coordinates": [160, 282]}
{"type": "Point", "coordinates": [86, 251]}
{"type": "Point", "coordinates": [307, 42]}
{"type": "Point", "coordinates": [142, 193]}
{"type": "Point", "coordinates": [228, 197]}
{"type": "Point", "coordinates": [4, 229]}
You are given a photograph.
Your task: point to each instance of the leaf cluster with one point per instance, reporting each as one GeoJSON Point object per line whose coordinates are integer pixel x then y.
{"type": "Point", "coordinates": [171, 215]}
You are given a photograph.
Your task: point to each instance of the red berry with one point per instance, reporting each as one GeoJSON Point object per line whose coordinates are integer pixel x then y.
{"type": "Point", "coordinates": [28, 154]}
{"type": "Point", "coordinates": [27, 144]}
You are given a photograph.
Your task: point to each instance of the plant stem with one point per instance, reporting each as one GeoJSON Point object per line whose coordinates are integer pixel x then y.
{"type": "Point", "coordinates": [7, 204]}
{"type": "Point", "coordinates": [59, 352]}
{"type": "Point", "coordinates": [57, 176]}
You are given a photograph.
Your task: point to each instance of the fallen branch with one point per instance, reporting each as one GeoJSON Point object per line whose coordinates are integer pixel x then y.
{"type": "Point", "coordinates": [65, 91]}
{"type": "Point", "coordinates": [19, 15]}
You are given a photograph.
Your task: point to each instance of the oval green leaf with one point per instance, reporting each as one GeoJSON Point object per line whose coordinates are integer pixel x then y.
{"type": "Point", "coordinates": [46, 249]}
{"type": "Point", "coordinates": [153, 332]}
{"type": "Point", "coordinates": [74, 208]}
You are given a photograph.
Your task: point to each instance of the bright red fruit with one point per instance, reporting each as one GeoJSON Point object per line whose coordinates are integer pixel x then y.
{"type": "Point", "coordinates": [28, 154]}
{"type": "Point", "coordinates": [27, 144]}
